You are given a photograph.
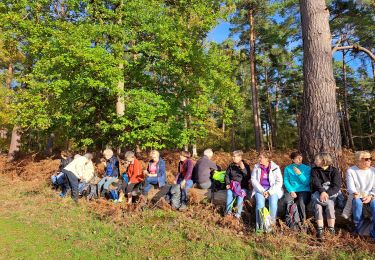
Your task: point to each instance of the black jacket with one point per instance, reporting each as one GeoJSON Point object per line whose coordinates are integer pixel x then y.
{"type": "Point", "coordinates": [202, 170]}
{"type": "Point", "coordinates": [234, 173]}
{"type": "Point", "coordinates": [320, 176]}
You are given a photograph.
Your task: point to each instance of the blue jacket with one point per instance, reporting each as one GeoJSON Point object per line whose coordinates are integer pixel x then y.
{"type": "Point", "coordinates": [112, 168]}
{"type": "Point", "coordinates": [162, 176]}
{"type": "Point", "coordinates": [294, 182]}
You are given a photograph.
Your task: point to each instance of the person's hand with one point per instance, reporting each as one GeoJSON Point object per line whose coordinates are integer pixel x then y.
{"type": "Point", "coordinates": [356, 195]}
{"type": "Point", "coordinates": [145, 172]}
{"type": "Point", "coordinates": [296, 170]}
{"type": "Point", "coordinates": [266, 194]}
{"type": "Point", "coordinates": [241, 165]}
{"type": "Point", "coordinates": [228, 187]}
{"type": "Point", "coordinates": [183, 184]}
{"type": "Point", "coordinates": [324, 196]}
{"type": "Point", "coordinates": [293, 194]}
{"type": "Point", "coordinates": [367, 199]}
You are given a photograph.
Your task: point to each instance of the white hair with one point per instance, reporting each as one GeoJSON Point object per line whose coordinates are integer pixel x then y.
{"type": "Point", "coordinates": [77, 156]}
{"type": "Point", "coordinates": [129, 154]}
{"type": "Point", "coordinates": [155, 152]}
{"type": "Point", "coordinates": [108, 153]}
{"type": "Point", "coordinates": [208, 152]}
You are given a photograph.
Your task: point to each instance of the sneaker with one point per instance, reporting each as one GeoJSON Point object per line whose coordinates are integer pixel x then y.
{"type": "Point", "coordinates": [237, 216]}
{"type": "Point", "coordinates": [319, 232]}
{"type": "Point", "coordinates": [332, 231]}
{"type": "Point", "coordinates": [62, 194]}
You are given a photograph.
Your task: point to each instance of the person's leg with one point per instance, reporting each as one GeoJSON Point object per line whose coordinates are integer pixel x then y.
{"type": "Point", "coordinates": [303, 198]}
{"type": "Point", "coordinates": [239, 206]}
{"type": "Point", "coordinates": [100, 185]}
{"type": "Point", "coordinates": [73, 183]}
{"type": "Point", "coordinates": [372, 230]}
{"type": "Point", "coordinates": [205, 185]}
{"type": "Point", "coordinates": [109, 181]}
{"type": "Point", "coordinates": [129, 190]}
{"type": "Point", "coordinates": [185, 192]}
{"type": "Point", "coordinates": [259, 203]}
{"type": "Point", "coordinates": [149, 181]}
{"type": "Point", "coordinates": [330, 213]}
{"type": "Point", "coordinates": [319, 215]}
{"type": "Point", "coordinates": [273, 201]}
{"type": "Point", "coordinates": [357, 207]}
{"type": "Point", "coordinates": [229, 204]}
{"type": "Point", "coordinates": [347, 211]}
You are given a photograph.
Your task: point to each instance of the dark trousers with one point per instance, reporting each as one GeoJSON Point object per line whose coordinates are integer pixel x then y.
{"type": "Point", "coordinates": [303, 198]}
{"type": "Point", "coordinates": [73, 182]}
{"type": "Point", "coordinates": [128, 188]}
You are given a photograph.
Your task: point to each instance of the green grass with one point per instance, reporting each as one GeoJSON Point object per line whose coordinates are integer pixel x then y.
{"type": "Point", "coordinates": [40, 225]}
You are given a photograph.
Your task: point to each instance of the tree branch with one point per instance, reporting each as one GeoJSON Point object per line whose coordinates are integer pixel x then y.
{"type": "Point", "coordinates": [355, 48]}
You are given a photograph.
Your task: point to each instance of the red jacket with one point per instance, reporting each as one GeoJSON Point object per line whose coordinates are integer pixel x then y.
{"type": "Point", "coordinates": [135, 172]}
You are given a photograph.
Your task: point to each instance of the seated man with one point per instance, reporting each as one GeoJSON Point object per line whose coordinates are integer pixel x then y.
{"type": "Point", "coordinates": [79, 170]}
{"type": "Point", "coordinates": [360, 181]}
{"type": "Point", "coordinates": [202, 170]}
{"type": "Point", "coordinates": [111, 171]}
{"type": "Point", "coordinates": [155, 173]}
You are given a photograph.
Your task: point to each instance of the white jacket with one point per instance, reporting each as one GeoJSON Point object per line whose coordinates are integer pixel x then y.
{"type": "Point", "coordinates": [82, 168]}
{"type": "Point", "coordinates": [275, 179]}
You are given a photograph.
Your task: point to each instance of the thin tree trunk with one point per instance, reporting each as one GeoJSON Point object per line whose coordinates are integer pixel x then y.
{"type": "Point", "coordinates": [120, 105]}
{"type": "Point", "coordinates": [346, 110]}
{"type": "Point", "coordinates": [320, 130]}
{"type": "Point", "coordinates": [195, 153]}
{"type": "Point", "coordinates": [254, 87]}
{"type": "Point", "coordinates": [342, 121]}
{"type": "Point", "coordinates": [275, 125]}
{"type": "Point", "coordinates": [9, 77]}
{"type": "Point", "coordinates": [370, 124]}
{"type": "Point", "coordinates": [270, 119]}
{"type": "Point", "coordinates": [373, 69]}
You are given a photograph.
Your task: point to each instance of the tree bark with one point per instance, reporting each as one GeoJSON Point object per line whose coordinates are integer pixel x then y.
{"type": "Point", "coordinates": [270, 114]}
{"type": "Point", "coordinates": [342, 121]}
{"type": "Point", "coordinates": [274, 132]}
{"type": "Point", "coordinates": [320, 130]}
{"type": "Point", "coordinates": [346, 110]}
{"type": "Point", "coordinates": [254, 87]}
{"type": "Point", "coordinates": [15, 143]}
{"type": "Point", "coordinates": [120, 105]}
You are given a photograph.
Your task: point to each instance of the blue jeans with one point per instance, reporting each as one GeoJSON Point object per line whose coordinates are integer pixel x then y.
{"type": "Point", "coordinates": [261, 202]}
{"type": "Point", "coordinates": [58, 179]}
{"type": "Point", "coordinates": [229, 203]}
{"type": "Point", "coordinates": [184, 192]}
{"type": "Point", "coordinates": [149, 181]}
{"type": "Point", "coordinates": [105, 182]}
{"type": "Point", "coordinates": [358, 217]}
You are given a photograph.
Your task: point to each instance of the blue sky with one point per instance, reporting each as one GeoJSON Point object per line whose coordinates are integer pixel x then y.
{"type": "Point", "coordinates": [222, 31]}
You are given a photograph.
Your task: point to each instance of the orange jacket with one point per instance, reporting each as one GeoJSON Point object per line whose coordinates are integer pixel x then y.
{"type": "Point", "coordinates": [135, 172]}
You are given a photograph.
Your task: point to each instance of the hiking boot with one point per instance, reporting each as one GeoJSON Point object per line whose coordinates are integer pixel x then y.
{"type": "Point", "coordinates": [332, 231]}
{"type": "Point", "coordinates": [62, 194]}
{"type": "Point", "coordinates": [183, 207]}
{"type": "Point", "coordinates": [319, 232]}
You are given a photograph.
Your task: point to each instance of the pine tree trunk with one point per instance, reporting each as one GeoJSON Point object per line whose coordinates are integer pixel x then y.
{"type": "Point", "coordinates": [270, 114]}
{"type": "Point", "coordinates": [254, 87]}
{"type": "Point", "coordinates": [320, 131]}
{"type": "Point", "coordinates": [346, 110]}
{"type": "Point", "coordinates": [342, 121]}
{"type": "Point", "coordinates": [274, 132]}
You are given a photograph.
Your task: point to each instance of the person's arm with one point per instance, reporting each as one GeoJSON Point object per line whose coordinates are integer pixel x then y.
{"type": "Point", "coordinates": [189, 170]}
{"type": "Point", "coordinates": [138, 171]}
{"type": "Point", "coordinates": [287, 184]}
{"type": "Point", "coordinates": [227, 176]}
{"type": "Point", "coordinates": [212, 165]}
{"type": "Point", "coordinates": [372, 192]}
{"type": "Point", "coordinates": [304, 177]}
{"type": "Point", "coordinates": [278, 181]}
{"type": "Point", "coordinates": [162, 169]}
{"type": "Point", "coordinates": [336, 185]}
{"type": "Point", "coordinates": [350, 182]}
{"type": "Point", "coordinates": [255, 182]}
{"type": "Point", "coordinates": [116, 168]}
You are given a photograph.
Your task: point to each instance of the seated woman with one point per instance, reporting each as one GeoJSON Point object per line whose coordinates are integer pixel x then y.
{"type": "Point", "coordinates": [155, 173]}
{"type": "Point", "coordinates": [184, 177]}
{"type": "Point", "coordinates": [237, 178]}
{"type": "Point", "coordinates": [297, 183]}
{"type": "Point", "coordinates": [267, 185]}
{"type": "Point", "coordinates": [325, 185]}
{"type": "Point", "coordinates": [134, 174]}
{"type": "Point", "coordinates": [360, 180]}
{"type": "Point", "coordinates": [79, 170]}
{"type": "Point", "coordinates": [111, 171]}
{"type": "Point", "coordinates": [203, 168]}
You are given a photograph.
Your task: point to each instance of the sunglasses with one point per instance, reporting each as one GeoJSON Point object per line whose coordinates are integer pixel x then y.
{"type": "Point", "coordinates": [367, 159]}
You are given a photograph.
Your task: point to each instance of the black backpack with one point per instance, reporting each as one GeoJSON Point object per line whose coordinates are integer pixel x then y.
{"type": "Point", "coordinates": [292, 217]}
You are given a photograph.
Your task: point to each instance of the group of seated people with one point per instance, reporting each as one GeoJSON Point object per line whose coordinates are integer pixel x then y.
{"type": "Point", "coordinates": [302, 184]}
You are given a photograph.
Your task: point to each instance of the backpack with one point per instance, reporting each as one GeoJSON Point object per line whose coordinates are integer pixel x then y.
{"type": "Point", "coordinates": [218, 182]}
{"type": "Point", "coordinates": [265, 220]}
{"type": "Point", "coordinates": [292, 217]}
